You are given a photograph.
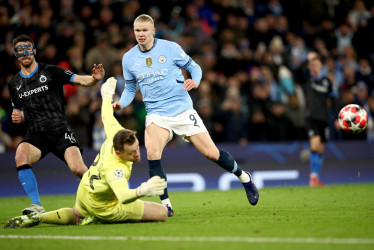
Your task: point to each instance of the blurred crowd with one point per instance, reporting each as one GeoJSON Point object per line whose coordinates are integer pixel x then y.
{"type": "Point", "coordinates": [253, 55]}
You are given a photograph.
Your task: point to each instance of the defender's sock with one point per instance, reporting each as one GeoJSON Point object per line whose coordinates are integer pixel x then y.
{"type": "Point", "coordinates": [227, 162]}
{"type": "Point", "coordinates": [29, 183]}
{"type": "Point", "coordinates": [315, 162]}
{"type": "Point", "coordinates": [320, 162]}
{"type": "Point", "coordinates": [155, 169]}
{"type": "Point", "coordinates": [62, 216]}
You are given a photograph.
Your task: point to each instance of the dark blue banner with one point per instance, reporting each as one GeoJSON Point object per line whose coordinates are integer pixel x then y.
{"type": "Point", "coordinates": [271, 164]}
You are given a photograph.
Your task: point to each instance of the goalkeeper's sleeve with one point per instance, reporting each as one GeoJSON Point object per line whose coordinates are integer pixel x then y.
{"type": "Point", "coordinates": [154, 186]}
{"type": "Point", "coordinates": [122, 191]}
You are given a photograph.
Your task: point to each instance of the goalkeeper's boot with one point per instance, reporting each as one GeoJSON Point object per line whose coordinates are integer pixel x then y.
{"type": "Point", "coordinates": [34, 208]}
{"type": "Point", "coordinates": [314, 181]}
{"type": "Point", "coordinates": [251, 191]}
{"type": "Point", "coordinates": [170, 211]}
{"type": "Point", "coordinates": [30, 220]}
{"type": "Point", "coordinates": [88, 221]}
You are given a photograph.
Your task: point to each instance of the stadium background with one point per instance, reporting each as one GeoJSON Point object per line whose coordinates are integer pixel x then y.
{"type": "Point", "coordinates": [253, 56]}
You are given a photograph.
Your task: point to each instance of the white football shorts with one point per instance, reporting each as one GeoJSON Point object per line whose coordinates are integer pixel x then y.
{"type": "Point", "coordinates": [187, 123]}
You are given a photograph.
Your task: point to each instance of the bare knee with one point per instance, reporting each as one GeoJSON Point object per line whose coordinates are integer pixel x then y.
{"type": "Point", "coordinates": [26, 154]}
{"type": "Point", "coordinates": [160, 213]}
{"type": "Point", "coordinates": [78, 170]}
{"type": "Point", "coordinates": [153, 153]}
{"type": "Point", "coordinates": [211, 154]}
{"type": "Point", "coordinates": [75, 162]}
{"type": "Point", "coordinates": [154, 212]}
{"type": "Point", "coordinates": [163, 214]}
{"type": "Point", "coordinates": [21, 159]}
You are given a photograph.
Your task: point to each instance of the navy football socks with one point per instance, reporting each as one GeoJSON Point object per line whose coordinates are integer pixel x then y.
{"type": "Point", "coordinates": [155, 169]}
{"type": "Point", "coordinates": [227, 162]}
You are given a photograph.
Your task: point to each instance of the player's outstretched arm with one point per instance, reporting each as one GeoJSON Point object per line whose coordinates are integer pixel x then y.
{"type": "Point", "coordinates": [154, 186]}
{"type": "Point", "coordinates": [107, 92]}
{"type": "Point", "coordinates": [97, 74]}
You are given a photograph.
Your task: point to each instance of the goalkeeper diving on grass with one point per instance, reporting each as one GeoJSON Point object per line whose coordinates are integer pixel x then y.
{"type": "Point", "coordinates": [103, 194]}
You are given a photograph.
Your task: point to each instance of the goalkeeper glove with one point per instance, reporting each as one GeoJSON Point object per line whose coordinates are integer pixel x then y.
{"type": "Point", "coordinates": [154, 186]}
{"type": "Point", "coordinates": [108, 88]}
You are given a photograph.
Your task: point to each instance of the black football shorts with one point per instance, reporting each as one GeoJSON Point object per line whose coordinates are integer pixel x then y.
{"type": "Point", "coordinates": [314, 127]}
{"type": "Point", "coordinates": [55, 142]}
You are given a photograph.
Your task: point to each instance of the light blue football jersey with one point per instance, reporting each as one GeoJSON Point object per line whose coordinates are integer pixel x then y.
{"type": "Point", "coordinates": [159, 77]}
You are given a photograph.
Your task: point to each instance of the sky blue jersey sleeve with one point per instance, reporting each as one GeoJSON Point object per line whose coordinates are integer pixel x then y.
{"type": "Point", "coordinates": [195, 71]}
{"type": "Point", "coordinates": [128, 94]}
{"type": "Point", "coordinates": [129, 91]}
{"type": "Point", "coordinates": [185, 62]}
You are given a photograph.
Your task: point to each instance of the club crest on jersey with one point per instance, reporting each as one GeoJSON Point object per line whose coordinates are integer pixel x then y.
{"type": "Point", "coordinates": [43, 79]}
{"type": "Point", "coordinates": [68, 72]}
{"type": "Point", "coordinates": [162, 59]}
{"type": "Point", "coordinates": [148, 61]}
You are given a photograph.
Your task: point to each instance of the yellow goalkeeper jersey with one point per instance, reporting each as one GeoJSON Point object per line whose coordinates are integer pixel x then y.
{"type": "Point", "coordinates": [105, 183]}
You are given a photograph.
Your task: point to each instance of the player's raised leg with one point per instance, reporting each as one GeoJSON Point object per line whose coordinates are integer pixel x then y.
{"type": "Point", "coordinates": [156, 139]}
{"type": "Point", "coordinates": [26, 155]}
{"type": "Point", "coordinates": [204, 143]}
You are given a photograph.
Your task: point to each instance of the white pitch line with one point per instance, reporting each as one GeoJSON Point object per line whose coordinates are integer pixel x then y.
{"type": "Point", "coordinates": [366, 241]}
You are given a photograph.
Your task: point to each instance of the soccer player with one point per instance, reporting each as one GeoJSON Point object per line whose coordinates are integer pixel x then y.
{"type": "Point", "coordinates": [155, 66]}
{"type": "Point", "coordinates": [38, 101]}
{"type": "Point", "coordinates": [318, 90]}
{"type": "Point", "coordinates": [103, 194]}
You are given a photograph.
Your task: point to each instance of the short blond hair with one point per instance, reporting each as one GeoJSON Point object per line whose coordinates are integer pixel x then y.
{"type": "Point", "coordinates": [144, 18]}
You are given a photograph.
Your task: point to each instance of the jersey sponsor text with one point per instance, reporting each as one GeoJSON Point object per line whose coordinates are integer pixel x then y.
{"type": "Point", "coordinates": [33, 91]}
{"type": "Point", "coordinates": [152, 76]}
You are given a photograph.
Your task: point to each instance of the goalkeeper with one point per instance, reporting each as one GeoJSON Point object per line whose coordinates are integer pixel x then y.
{"type": "Point", "coordinates": [103, 194]}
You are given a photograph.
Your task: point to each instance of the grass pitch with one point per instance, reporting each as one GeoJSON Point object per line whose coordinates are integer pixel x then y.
{"type": "Point", "coordinates": [331, 217]}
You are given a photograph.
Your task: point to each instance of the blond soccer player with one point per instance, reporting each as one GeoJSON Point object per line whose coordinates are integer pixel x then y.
{"type": "Point", "coordinates": [154, 66]}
